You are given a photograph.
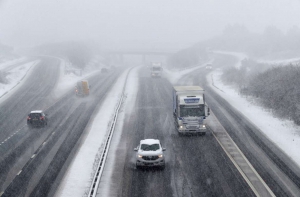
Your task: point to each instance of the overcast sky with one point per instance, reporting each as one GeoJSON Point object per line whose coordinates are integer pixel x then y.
{"type": "Point", "coordinates": [137, 22]}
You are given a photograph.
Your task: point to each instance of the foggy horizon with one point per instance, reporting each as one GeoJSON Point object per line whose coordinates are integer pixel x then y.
{"type": "Point", "coordinates": [147, 24]}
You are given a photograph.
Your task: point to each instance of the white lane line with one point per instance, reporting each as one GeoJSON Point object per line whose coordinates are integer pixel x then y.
{"type": "Point", "coordinates": [33, 156]}
{"type": "Point", "coordinates": [19, 173]}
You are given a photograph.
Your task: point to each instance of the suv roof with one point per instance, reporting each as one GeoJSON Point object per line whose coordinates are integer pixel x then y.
{"type": "Point", "coordinates": [150, 141]}
{"type": "Point", "coordinates": [37, 111]}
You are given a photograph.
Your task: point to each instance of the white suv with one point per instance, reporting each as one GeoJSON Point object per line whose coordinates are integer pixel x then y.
{"type": "Point", "coordinates": [150, 153]}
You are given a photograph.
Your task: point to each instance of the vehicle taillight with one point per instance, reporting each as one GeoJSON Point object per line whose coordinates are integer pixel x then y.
{"type": "Point", "coordinates": [42, 117]}
{"type": "Point", "coordinates": [28, 118]}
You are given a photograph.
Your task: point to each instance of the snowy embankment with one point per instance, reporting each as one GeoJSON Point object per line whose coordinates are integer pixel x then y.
{"type": "Point", "coordinates": [284, 133]}
{"type": "Point", "coordinates": [15, 76]}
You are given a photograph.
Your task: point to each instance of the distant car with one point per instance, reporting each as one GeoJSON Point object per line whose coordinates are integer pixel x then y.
{"type": "Point", "coordinates": [208, 66]}
{"type": "Point", "coordinates": [104, 70]}
{"type": "Point", "coordinates": [150, 154]}
{"type": "Point", "coordinates": [37, 118]}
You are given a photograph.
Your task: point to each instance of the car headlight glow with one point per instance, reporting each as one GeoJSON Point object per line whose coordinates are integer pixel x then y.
{"type": "Point", "coordinates": [181, 127]}
{"type": "Point", "coordinates": [160, 156]}
{"type": "Point", "coordinates": [140, 156]}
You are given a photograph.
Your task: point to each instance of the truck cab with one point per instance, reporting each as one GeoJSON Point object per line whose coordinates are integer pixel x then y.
{"type": "Point", "coordinates": [156, 70]}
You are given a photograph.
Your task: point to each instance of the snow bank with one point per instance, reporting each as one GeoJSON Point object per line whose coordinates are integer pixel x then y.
{"type": "Point", "coordinates": [284, 133]}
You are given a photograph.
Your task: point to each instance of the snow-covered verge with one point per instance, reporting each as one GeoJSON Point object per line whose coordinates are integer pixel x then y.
{"type": "Point", "coordinates": [15, 76]}
{"type": "Point", "coordinates": [79, 175]}
{"type": "Point", "coordinates": [284, 133]}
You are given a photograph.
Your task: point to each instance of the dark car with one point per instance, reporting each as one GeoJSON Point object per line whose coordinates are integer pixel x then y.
{"type": "Point", "coordinates": [37, 119]}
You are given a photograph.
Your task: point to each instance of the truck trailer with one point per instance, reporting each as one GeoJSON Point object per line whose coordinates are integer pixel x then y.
{"type": "Point", "coordinates": [190, 110]}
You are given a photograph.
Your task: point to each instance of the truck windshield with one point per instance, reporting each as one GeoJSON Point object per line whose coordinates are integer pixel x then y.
{"type": "Point", "coordinates": [195, 110]}
{"type": "Point", "coordinates": [156, 68]}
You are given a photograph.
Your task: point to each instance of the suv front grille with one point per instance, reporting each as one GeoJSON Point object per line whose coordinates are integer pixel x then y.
{"type": "Point", "coordinates": [150, 157]}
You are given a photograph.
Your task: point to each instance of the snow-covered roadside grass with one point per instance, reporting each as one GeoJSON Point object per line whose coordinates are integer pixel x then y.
{"type": "Point", "coordinates": [284, 133]}
{"type": "Point", "coordinates": [15, 77]}
{"type": "Point", "coordinates": [79, 175]}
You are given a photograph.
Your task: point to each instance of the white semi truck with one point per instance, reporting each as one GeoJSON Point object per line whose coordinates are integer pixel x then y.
{"type": "Point", "coordinates": [190, 109]}
{"type": "Point", "coordinates": [156, 70]}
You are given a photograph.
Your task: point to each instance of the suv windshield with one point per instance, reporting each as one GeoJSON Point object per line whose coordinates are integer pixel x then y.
{"type": "Point", "coordinates": [150, 147]}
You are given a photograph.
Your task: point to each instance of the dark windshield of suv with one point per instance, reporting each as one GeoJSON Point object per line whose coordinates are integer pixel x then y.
{"type": "Point", "coordinates": [150, 147]}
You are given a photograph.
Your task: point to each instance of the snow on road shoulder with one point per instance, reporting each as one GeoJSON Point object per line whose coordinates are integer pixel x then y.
{"type": "Point", "coordinates": [284, 133]}
{"type": "Point", "coordinates": [79, 175]}
{"type": "Point", "coordinates": [15, 76]}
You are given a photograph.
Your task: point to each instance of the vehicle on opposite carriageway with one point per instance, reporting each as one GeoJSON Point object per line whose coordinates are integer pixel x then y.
{"type": "Point", "coordinates": [37, 118]}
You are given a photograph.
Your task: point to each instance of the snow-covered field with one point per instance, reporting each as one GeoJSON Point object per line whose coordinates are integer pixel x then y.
{"type": "Point", "coordinates": [78, 177]}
